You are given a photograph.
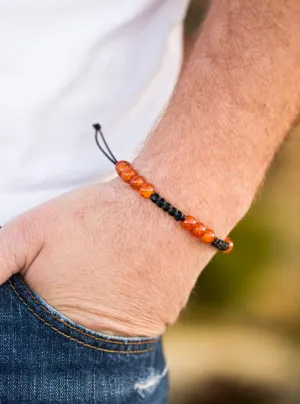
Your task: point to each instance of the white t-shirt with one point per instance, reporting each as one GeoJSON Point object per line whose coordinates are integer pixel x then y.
{"type": "Point", "coordinates": [66, 64]}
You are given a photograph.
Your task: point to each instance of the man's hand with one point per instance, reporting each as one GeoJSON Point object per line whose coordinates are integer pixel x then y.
{"type": "Point", "coordinates": [105, 258]}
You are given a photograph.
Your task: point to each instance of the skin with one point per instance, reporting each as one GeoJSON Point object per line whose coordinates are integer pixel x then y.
{"type": "Point", "coordinates": [109, 259]}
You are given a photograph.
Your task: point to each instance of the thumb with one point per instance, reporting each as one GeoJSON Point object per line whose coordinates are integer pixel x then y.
{"type": "Point", "coordinates": [20, 244]}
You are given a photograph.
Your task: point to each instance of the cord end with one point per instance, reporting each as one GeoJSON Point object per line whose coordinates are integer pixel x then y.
{"type": "Point", "coordinates": [97, 126]}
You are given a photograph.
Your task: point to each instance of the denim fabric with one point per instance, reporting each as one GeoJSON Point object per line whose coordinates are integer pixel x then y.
{"type": "Point", "coordinates": [46, 358]}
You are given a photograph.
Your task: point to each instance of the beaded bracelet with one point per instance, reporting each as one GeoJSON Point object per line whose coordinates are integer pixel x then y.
{"type": "Point", "coordinates": [146, 190]}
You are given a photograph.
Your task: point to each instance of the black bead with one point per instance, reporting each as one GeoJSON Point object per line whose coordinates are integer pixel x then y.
{"type": "Point", "coordinates": [221, 245]}
{"type": "Point", "coordinates": [181, 216]}
{"type": "Point", "coordinates": [154, 197]}
{"type": "Point", "coordinates": [160, 202]}
{"type": "Point", "coordinates": [175, 212]}
{"type": "Point", "coordinates": [170, 208]}
{"type": "Point", "coordinates": [166, 206]}
{"type": "Point", "coordinates": [178, 215]}
{"type": "Point", "coordinates": [171, 211]}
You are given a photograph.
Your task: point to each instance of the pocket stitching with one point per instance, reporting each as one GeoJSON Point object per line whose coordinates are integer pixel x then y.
{"type": "Point", "coordinates": [80, 331]}
{"type": "Point", "coordinates": [74, 339]}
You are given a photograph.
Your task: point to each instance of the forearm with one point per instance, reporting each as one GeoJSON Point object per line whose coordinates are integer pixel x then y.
{"type": "Point", "coordinates": [234, 103]}
{"type": "Point", "coordinates": [236, 99]}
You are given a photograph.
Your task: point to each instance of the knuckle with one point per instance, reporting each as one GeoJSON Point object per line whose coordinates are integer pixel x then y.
{"type": "Point", "coordinates": [17, 235]}
{"type": "Point", "coordinates": [22, 227]}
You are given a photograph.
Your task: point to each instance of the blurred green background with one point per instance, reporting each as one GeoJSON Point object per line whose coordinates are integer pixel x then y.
{"type": "Point", "coordinates": [238, 340]}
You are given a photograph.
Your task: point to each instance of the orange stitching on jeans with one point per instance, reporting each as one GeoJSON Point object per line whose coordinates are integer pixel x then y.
{"type": "Point", "coordinates": [74, 339]}
{"type": "Point", "coordinates": [152, 341]}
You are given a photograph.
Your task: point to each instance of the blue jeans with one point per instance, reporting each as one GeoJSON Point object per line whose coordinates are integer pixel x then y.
{"type": "Point", "coordinates": [46, 358]}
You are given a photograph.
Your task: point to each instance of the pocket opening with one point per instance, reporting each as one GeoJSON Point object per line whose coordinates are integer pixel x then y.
{"type": "Point", "coordinates": [52, 318]}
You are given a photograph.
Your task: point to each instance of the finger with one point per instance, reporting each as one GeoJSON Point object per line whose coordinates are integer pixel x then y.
{"type": "Point", "coordinates": [19, 246]}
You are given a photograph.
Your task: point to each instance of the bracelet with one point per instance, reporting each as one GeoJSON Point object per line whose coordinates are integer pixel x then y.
{"type": "Point", "coordinates": [146, 190]}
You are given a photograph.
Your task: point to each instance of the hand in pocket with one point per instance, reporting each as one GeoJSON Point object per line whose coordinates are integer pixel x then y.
{"type": "Point", "coordinates": [105, 258]}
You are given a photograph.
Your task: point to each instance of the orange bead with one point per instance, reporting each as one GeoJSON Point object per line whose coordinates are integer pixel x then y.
{"type": "Point", "coordinates": [128, 173]}
{"type": "Point", "coordinates": [199, 229]}
{"type": "Point", "coordinates": [146, 190]}
{"type": "Point", "coordinates": [121, 165]}
{"type": "Point", "coordinates": [136, 182]}
{"type": "Point", "coordinates": [208, 236]}
{"type": "Point", "coordinates": [189, 223]}
{"type": "Point", "coordinates": [231, 245]}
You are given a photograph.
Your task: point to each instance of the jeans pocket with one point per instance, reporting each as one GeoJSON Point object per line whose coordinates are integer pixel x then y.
{"type": "Point", "coordinates": [47, 358]}
{"type": "Point", "coordinates": [56, 321]}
